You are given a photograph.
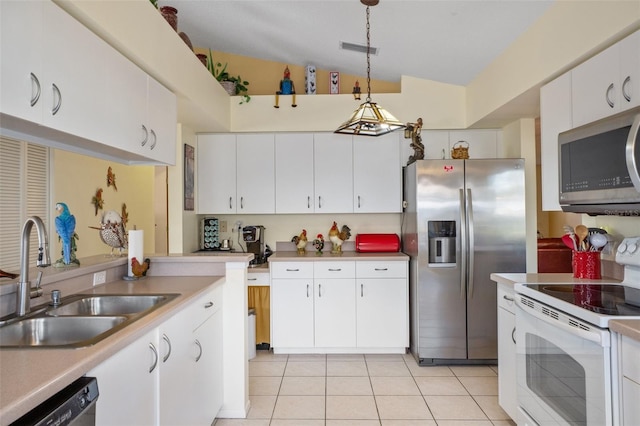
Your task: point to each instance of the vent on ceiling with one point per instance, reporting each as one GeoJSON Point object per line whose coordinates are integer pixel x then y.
{"type": "Point", "coordinates": [361, 48]}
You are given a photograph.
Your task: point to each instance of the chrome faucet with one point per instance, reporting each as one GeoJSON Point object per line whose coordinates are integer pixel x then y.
{"type": "Point", "coordinates": [24, 293]}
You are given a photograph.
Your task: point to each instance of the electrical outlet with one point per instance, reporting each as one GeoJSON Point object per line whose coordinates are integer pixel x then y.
{"type": "Point", "coordinates": [223, 226]}
{"type": "Point", "coordinates": [100, 277]}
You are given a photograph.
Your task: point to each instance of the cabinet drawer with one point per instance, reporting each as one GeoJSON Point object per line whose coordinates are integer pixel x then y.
{"type": "Point", "coordinates": [258, 278]}
{"type": "Point", "coordinates": [506, 298]}
{"type": "Point", "coordinates": [373, 269]}
{"type": "Point", "coordinates": [338, 269]}
{"type": "Point", "coordinates": [630, 356]}
{"type": "Point", "coordinates": [206, 306]}
{"type": "Point", "coordinates": [291, 269]}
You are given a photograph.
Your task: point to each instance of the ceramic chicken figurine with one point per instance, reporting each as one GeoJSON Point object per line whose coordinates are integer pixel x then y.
{"type": "Point", "coordinates": [318, 243]}
{"type": "Point", "coordinates": [301, 242]}
{"type": "Point", "coordinates": [140, 269]}
{"type": "Point", "coordinates": [338, 237]}
{"type": "Point", "coordinates": [66, 229]}
{"type": "Point", "coordinates": [112, 231]}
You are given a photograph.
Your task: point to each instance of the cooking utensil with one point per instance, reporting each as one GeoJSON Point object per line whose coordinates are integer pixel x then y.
{"type": "Point", "coordinates": [569, 241]}
{"type": "Point", "coordinates": [582, 232]}
{"type": "Point", "coordinates": [598, 241]}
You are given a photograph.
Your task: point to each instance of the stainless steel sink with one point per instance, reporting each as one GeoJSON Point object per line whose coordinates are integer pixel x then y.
{"type": "Point", "coordinates": [59, 331]}
{"type": "Point", "coordinates": [109, 305]}
{"type": "Point", "coordinates": [81, 320]}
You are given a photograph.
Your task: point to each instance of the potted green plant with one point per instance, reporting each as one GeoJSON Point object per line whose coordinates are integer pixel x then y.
{"type": "Point", "coordinates": [233, 85]}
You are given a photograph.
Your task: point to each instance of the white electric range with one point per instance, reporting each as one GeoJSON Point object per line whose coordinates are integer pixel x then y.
{"type": "Point", "coordinates": [564, 354]}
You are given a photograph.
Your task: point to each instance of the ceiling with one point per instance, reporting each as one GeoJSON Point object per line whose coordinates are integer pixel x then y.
{"type": "Point", "coordinates": [447, 41]}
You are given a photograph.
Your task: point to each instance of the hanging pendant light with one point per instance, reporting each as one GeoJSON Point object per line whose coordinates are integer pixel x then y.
{"type": "Point", "coordinates": [370, 119]}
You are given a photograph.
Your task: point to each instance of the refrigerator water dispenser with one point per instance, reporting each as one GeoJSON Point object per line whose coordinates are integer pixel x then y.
{"type": "Point", "coordinates": [442, 241]}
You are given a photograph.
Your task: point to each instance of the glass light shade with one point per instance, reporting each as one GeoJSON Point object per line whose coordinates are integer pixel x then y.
{"type": "Point", "coordinates": [370, 120]}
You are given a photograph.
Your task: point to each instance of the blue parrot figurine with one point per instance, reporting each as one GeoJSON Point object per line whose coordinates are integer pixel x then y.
{"type": "Point", "coordinates": [66, 228]}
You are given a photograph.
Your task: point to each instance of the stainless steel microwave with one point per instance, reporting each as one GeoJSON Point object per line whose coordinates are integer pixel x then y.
{"type": "Point", "coordinates": [599, 166]}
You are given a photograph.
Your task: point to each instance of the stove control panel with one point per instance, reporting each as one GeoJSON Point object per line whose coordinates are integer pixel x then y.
{"type": "Point", "coordinates": [628, 252]}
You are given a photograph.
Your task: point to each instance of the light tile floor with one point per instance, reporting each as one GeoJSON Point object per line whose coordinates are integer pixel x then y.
{"type": "Point", "coordinates": [368, 390]}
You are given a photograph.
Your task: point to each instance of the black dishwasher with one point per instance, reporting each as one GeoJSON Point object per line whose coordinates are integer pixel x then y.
{"type": "Point", "coordinates": [73, 405]}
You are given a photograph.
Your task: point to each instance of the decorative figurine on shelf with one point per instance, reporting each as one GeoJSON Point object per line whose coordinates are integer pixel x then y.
{"type": "Point", "coordinates": [318, 243]}
{"type": "Point", "coordinates": [97, 201]}
{"type": "Point", "coordinates": [112, 231]}
{"type": "Point", "coordinates": [301, 242]}
{"type": "Point", "coordinates": [286, 88]}
{"type": "Point", "coordinates": [111, 179]}
{"type": "Point", "coordinates": [413, 131]}
{"type": "Point", "coordinates": [140, 269]}
{"type": "Point", "coordinates": [338, 237]}
{"type": "Point", "coordinates": [66, 229]}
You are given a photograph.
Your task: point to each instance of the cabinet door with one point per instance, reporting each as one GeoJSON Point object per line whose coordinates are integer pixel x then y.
{"type": "Point", "coordinates": [482, 143]}
{"type": "Point", "coordinates": [161, 120]}
{"type": "Point", "coordinates": [333, 177]}
{"type": "Point", "coordinates": [294, 173]}
{"type": "Point", "coordinates": [292, 313]}
{"type": "Point", "coordinates": [507, 362]}
{"type": "Point", "coordinates": [207, 389]}
{"type": "Point", "coordinates": [382, 313]}
{"type": "Point", "coordinates": [335, 313]}
{"type": "Point", "coordinates": [127, 386]}
{"type": "Point", "coordinates": [377, 174]}
{"type": "Point", "coordinates": [630, 71]}
{"type": "Point", "coordinates": [21, 47]}
{"type": "Point", "coordinates": [555, 117]}
{"type": "Point", "coordinates": [436, 144]}
{"type": "Point", "coordinates": [255, 173]}
{"type": "Point", "coordinates": [216, 170]}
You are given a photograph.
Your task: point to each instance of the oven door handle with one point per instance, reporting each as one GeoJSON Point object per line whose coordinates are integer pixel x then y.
{"type": "Point", "coordinates": [595, 335]}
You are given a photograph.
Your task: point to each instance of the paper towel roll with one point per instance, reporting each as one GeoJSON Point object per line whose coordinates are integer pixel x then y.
{"type": "Point", "coordinates": [136, 248]}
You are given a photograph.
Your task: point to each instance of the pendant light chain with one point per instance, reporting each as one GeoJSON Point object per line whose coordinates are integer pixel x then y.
{"type": "Point", "coordinates": [368, 59]}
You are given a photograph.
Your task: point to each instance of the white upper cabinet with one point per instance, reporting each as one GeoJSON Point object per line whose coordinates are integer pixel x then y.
{"type": "Point", "coordinates": [608, 82]}
{"type": "Point", "coordinates": [255, 173]}
{"type": "Point", "coordinates": [555, 117]}
{"type": "Point", "coordinates": [294, 173]}
{"type": "Point", "coordinates": [333, 173]}
{"type": "Point", "coordinates": [377, 174]}
{"type": "Point", "coordinates": [160, 122]}
{"type": "Point", "coordinates": [216, 171]}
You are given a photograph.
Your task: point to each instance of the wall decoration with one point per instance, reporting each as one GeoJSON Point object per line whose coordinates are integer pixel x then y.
{"type": "Point", "coordinates": [310, 80]}
{"type": "Point", "coordinates": [189, 180]}
{"type": "Point", "coordinates": [111, 179]}
{"type": "Point", "coordinates": [112, 232]}
{"type": "Point", "coordinates": [125, 215]}
{"type": "Point", "coordinates": [413, 131]}
{"type": "Point", "coordinates": [334, 82]}
{"type": "Point", "coordinates": [97, 201]}
{"type": "Point", "coordinates": [66, 228]}
{"type": "Point", "coordinates": [286, 88]}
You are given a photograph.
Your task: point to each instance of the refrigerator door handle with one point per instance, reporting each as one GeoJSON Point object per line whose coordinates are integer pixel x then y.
{"type": "Point", "coordinates": [471, 242]}
{"type": "Point", "coordinates": [463, 244]}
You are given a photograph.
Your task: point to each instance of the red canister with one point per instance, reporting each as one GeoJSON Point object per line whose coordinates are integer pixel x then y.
{"type": "Point", "coordinates": [586, 264]}
{"type": "Point", "coordinates": [377, 243]}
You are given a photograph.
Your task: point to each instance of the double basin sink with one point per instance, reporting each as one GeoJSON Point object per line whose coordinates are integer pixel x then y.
{"type": "Point", "coordinates": [80, 320]}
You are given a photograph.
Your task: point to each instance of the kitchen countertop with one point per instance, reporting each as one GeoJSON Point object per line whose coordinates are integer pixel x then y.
{"type": "Point", "coordinates": [629, 328]}
{"type": "Point", "coordinates": [30, 376]}
{"type": "Point", "coordinates": [309, 256]}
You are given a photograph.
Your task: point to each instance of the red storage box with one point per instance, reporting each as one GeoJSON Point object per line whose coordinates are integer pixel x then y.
{"type": "Point", "coordinates": [376, 243]}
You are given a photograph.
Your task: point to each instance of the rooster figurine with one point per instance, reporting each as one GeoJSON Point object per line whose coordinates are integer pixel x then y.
{"type": "Point", "coordinates": [318, 243]}
{"type": "Point", "coordinates": [301, 242]}
{"type": "Point", "coordinates": [338, 237]}
{"type": "Point", "coordinates": [140, 269]}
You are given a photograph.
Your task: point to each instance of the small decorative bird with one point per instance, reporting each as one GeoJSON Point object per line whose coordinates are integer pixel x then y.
{"type": "Point", "coordinates": [140, 269]}
{"type": "Point", "coordinates": [97, 201]}
{"type": "Point", "coordinates": [125, 215]}
{"type": "Point", "coordinates": [111, 179]}
{"type": "Point", "coordinates": [66, 227]}
{"type": "Point", "coordinates": [112, 231]}
{"type": "Point", "coordinates": [301, 242]}
{"type": "Point", "coordinates": [338, 237]}
{"type": "Point", "coordinates": [318, 243]}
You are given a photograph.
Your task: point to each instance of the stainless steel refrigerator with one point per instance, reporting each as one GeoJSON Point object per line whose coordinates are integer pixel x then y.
{"type": "Point", "coordinates": [463, 220]}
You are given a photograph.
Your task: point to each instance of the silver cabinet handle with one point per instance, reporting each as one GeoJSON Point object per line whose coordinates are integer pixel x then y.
{"type": "Point", "coordinates": [35, 97]}
{"type": "Point", "coordinates": [335, 270]}
{"type": "Point", "coordinates": [199, 345]}
{"type": "Point", "coordinates": [381, 269]}
{"type": "Point", "coordinates": [358, 201]}
{"type": "Point", "coordinates": [252, 279]}
{"type": "Point", "coordinates": [361, 290]}
{"type": "Point", "coordinates": [155, 139]}
{"type": "Point", "coordinates": [230, 204]}
{"type": "Point", "coordinates": [57, 106]}
{"type": "Point", "coordinates": [146, 135]}
{"type": "Point", "coordinates": [155, 360]}
{"type": "Point", "coordinates": [625, 83]}
{"type": "Point", "coordinates": [307, 291]}
{"type": "Point", "coordinates": [308, 202]}
{"type": "Point", "coordinates": [608, 97]}
{"type": "Point", "coordinates": [513, 334]}
{"type": "Point", "coordinates": [319, 202]}
{"type": "Point", "coordinates": [319, 290]}
{"type": "Point", "coordinates": [505, 297]}
{"type": "Point", "coordinates": [242, 202]}
{"type": "Point", "coordinates": [208, 305]}
{"type": "Point", "coordinates": [166, 339]}
{"type": "Point", "coordinates": [293, 270]}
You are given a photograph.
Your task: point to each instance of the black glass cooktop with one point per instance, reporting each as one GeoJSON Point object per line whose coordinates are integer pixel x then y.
{"type": "Point", "coordinates": [602, 299]}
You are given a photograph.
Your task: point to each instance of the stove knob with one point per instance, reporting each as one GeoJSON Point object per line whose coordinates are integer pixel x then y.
{"type": "Point", "coordinates": [632, 248]}
{"type": "Point", "coordinates": [622, 247]}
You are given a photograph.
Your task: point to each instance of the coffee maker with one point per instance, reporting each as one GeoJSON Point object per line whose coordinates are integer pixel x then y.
{"type": "Point", "coordinates": [253, 237]}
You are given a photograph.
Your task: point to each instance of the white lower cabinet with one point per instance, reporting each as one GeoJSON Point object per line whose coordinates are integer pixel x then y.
{"type": "Point", "coordinates": [507, 386]}
{"type": "Point", "coordinates": [170, 376]}
{"type": "Point", "coordinates": [630, 386]}
{"type": "Point", "coordinates": [324, 306]}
